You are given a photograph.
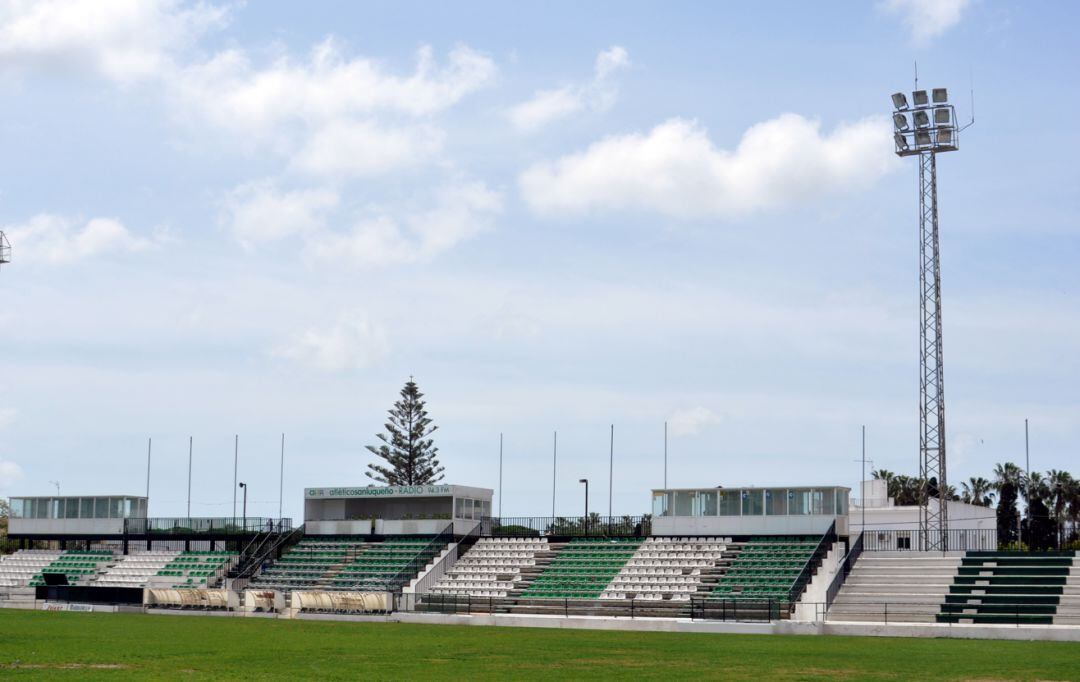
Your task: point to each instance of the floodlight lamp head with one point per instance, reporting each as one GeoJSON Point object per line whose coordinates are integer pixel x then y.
{"type": "Point", "coordinates": [921, 119]}
{"type": "Point", "coordinates": [583, 480]}
{"type": "Point", "coordinates": [945, 137]}
{"type": "Point", "coordinates": [941, 116]}
{"type": "Point", "coordinates": [922, 138]}
{"type": "Point", "coordinates": [899, 100]}
{"type": "Point", "coordinates": [900, 121]}
{"type": "Point", "coordinates": [920, 98]}
{"type": "Point", "coordinates": [940, 95]}
{"type": "Point", "coordinates": [901, 143]}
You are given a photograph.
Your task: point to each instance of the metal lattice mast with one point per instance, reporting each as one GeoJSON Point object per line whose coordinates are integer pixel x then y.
{"type": "Point", "coordinates": [925, 128]}
{"type": "Point", "coordinates": [934, 517]}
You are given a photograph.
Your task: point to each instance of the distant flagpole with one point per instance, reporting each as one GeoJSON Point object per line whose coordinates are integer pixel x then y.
{"type": "Point", "coordinates": [611, 472]}
{"type": "Point", "coordinates": [554, 463]}
{"type": "Point", "coordinates": [500, 474]}
{"type": "Point", "coordinates": [235, 469]}
{"type": "Point", "coordinates": [149, 443]}
{"type": "Point", "coordinates": [281, 479]}
{"type": "Point", "coordinates": [190, 442]}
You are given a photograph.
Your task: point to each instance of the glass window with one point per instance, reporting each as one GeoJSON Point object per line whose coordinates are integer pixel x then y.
{"type": "Point", "coordinates": [828, 502]}
{"type": "Point", "coordinates": [86, 508]}
{"type": "Point", "coordinates": [459, 508]}
{"type": "Point", "coordinates": [815, 502]}
{"type": "Point", "coordinates": [776, 502]}
{"type": "Point", "coordinates": [798, 502]}
{"type": "Point", "coordinates": [56, 509]}
{"type": "Point", "coordinates": [127, 507]}
{"type": "Point", "coordinates": [660, 504]}
{"type": "Point", "coordinates": [101, 507]}
{"type": "Point", "coordinates": [708, 503]}
{"type": "Point", "coordinates": [841, 502]}
{"type": "Point", "coordinates": [71, 510]}
{"type": "Point", "coordinates": [487, 509]}
{"type": "Point", "coordinates": [116, 507]}
{"type": "Point", "coordinates": [683, 503]}
{"type": "Point", "coordinates": [751, 503]}
{"type": "Point", "coordinates": [728, 502]}
{"type": "Point", "coordinates": [16, 508]}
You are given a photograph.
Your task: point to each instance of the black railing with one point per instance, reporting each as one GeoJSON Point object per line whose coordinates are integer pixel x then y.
{"type": "Point", "coordinates": [696, 608]}
{"type": "Point", "coordinates": [842, 572]}
{"type": "Point", "coordinates": [543, 526]}
{"type": "Point", "coordinates": [827, 540]}
{"type": "Point", "coordinates": [893, 540]}
{"type": "Point", "coordinates": [252, 557]}
{"type": "Point", "coordinates": [422, 558]}
{"type": "Point", "coordinates": [215, 526]}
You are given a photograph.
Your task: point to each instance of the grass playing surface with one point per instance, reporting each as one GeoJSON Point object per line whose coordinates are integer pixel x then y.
{"type": "Point", "coordinates": [117, 646]}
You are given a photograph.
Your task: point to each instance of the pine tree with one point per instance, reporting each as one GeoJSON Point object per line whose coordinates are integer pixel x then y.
{"type": "Point", "coordinates": [407, 448]}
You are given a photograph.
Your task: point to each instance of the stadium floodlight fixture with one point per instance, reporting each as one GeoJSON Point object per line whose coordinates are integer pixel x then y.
{"type": "Point", "coordinates": [940, 95]}
{"type": "Point", "coordinates": [922, 120]}
{"type": "Point", "coordinates": [922, 138]}
{"type": "Point", "coordinates": [941, 116]}
{"type": "Point", "coordinates": [5, 249]}
{"type": "Point", "coordinates": [920, 98]}
{"type": "Point", "coordinates": [899, 100]}
{"type": "Point", "coordinates": [945, 137]}
{"type": "Point", "coordinates": [901, 142]}
{"type": "Point", "coordinates": [900, 121]}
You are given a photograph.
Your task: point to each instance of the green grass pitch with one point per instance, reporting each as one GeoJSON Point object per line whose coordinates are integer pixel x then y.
{"type": "Point", "coordinates": [122, 646]}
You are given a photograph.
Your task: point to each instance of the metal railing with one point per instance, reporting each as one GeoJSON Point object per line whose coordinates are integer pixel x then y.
{"type": "Point", "coordinates": [842, 572]}
{"type": "Point", "coordinates": [567, 526]}
{"type": "Point", "coordinates": [217, 526]}
{"type": "Point", "coordinates": [696, 608]}
{"type": "Point", "coordinates": [944, 613]}
{"type": "Point", "coordinates": [892, 540]}
{"type": "Point", "coordinates": [423, 556]}
{"type": "Point", "coordinates": [799, 584]}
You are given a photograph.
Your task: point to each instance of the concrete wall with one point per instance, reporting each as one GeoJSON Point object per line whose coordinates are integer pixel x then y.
{"type": "Point", "coordinates": [745, 525]}
{"type": "Point", "coordinates": [65, 526]}
{"type": "Point", "coordinates": [961, 517]}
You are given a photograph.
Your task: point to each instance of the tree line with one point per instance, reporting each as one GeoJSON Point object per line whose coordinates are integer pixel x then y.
{"type": "Point", "coordinates": [1051, 517]}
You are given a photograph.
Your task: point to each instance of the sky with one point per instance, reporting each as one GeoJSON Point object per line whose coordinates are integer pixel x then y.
{"type": "Point", "coordinates": [262, 218]}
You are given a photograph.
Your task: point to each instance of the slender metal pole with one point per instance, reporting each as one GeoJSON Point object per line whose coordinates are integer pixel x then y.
{"type": "Point", "coordinates": [1027, 484]}
{"type": "Point", "coordinates": [586, 506]}
{"type": "Point", "coordinates": [235, 468]}
{"type": "Point", "coordinates": [149, 443]}
{"type": "Point", "coordinates": [190, 441]}
{"type": "Point", "coordinates": [281, 480]}
{"type": "Point", "coordinates": [554, 463]}
{"type": "Point", "coordinates": [611, 472]}
{"type": "Point", "coordinates": [665, 455]}
{"type": "Point", "coordinates": [500, 473]}
{"type": "Point", "coordinates": [862, 492]}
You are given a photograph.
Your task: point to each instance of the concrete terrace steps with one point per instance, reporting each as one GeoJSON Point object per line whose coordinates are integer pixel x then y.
{"type": "Point", "coordinates": [896, 586]}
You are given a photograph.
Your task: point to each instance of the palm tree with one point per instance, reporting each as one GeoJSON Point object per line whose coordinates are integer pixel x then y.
{"type": "Point", "coordinates": [978, 491]}
{"type": "Point", "coordinates": [1060, 484]}
{"type": "Point", "coordinates": [1007, 473]}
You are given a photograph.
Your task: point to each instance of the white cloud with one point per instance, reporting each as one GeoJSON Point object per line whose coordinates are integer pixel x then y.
{"type": "Point", "coordinates": [123, 40]}
{"type": "Point", "coordinates": [690, 421]}
{"type": "Point", "coordinates": [231, 93]}
{"type": "Point", "coordinates": [10, 473]}
{"type": "Point", "coordinates": [354, 342]}
{"type": "Point", "coordinates": [257, 212]}
{"type": "Point", "coordinates": [547, 106]}
{"type": "Point", "coordinates": [676, 170]}
{"type": "Point", "coordinates": [363, 148]}
{"type": "Point", "coordinates": [927, 19]}
{"type": "Point", "coordinates": [58, 240]}
{"type": "Point", "coordinates": [461, 211]}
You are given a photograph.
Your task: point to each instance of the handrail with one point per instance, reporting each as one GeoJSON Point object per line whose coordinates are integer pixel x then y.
{"type": "Point", "coordinates": [267, 548]}
{"type": "Point", "coordinates": [568, 526]}
{"type": "Point", "coordinates": [407, 572]}
{"type": "Point", "coordinates": [808, 568]}
{"type": "Point", "coordinates": [842, 572]}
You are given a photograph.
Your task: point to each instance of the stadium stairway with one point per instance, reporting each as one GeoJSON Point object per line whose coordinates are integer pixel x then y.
{"type": "Point", "coordinates": [896, 587]}
{"type": "Point", "coordinates": [493, 567]}
{"type": "Point", "coordinates": [1007, 587]}
{"type": "Point", "coordinates": [1068, 612]}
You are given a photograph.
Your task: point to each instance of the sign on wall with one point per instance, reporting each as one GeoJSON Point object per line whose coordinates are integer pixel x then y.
{"type": "Point", "coordinates": [389, 491]}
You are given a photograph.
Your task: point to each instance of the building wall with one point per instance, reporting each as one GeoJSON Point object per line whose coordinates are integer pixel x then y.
{"type": "Point", "coordinates": [746, 525]}
{"type": "Point", "coordinates": [65, 526]}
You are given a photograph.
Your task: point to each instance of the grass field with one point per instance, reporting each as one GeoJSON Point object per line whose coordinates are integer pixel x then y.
{"type": "Point", "coordinates": [113, 646]}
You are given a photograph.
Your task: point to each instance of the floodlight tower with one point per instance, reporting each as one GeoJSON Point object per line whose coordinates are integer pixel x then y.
{"type": "Point", "coordinates": [925, 128]}
{"type": "Point", "coordinates": [5, 249]}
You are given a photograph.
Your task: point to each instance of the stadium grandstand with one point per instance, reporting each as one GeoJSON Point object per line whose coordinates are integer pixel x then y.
{"type": "Point", "coordinates": [728, 554]}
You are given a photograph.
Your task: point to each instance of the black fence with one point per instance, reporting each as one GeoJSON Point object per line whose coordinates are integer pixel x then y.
{"type": "Point", "coordinates": [959, 540]}
{"type": "Point", "coordinates": [566, 526]}
{"type": "Point", "coordinates": [209, 526]}
{"type": "Point", "coordinates": [696, 608]}
{"type": "Point", "coordinates": [853, 554]}
{"type": "Point", "coordinates": [86, 594]}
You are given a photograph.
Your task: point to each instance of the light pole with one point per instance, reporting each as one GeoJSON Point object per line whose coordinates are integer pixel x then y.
{"type": "Point", "coordinates": [924, 128]}
{"type": "Point", "coordinates": [57, 484]}
{"type": "Point", "coordinates": [585, 521]}
{"type": "Point", "coordinates": [244, 486]}
{"type": "Point", "coordinates": [5, 249]}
